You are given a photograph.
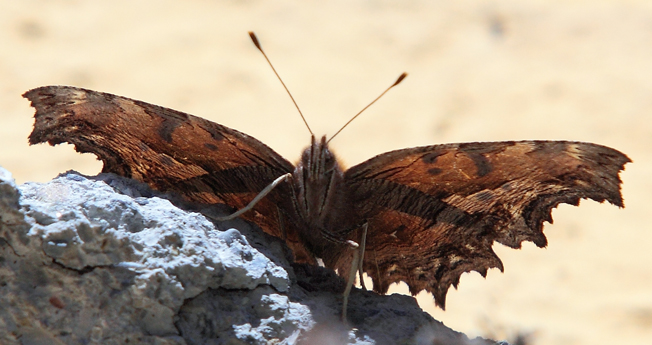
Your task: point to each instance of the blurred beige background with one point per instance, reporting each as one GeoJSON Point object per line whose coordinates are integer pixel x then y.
{"type": "Point", "coordinates": [479, 71]}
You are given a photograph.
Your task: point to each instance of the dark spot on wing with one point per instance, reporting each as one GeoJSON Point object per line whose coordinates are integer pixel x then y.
{"type": "Point", "coordinates": [166, 129]}
{"type": "Point", "coordinates": [171, 118]}
{"type": "Point", "coordinates": [431, 157]}
{"type": "Point", "coordinates": [166, 160]}
{"type": "Point", "coordinates": [481, 163]}
{"type": "Point", "coordinates": [210, 146]}
{"type": "Point", "coordinates": [213, 129]}
{"type": "Point", "coordinates": [434, 171]}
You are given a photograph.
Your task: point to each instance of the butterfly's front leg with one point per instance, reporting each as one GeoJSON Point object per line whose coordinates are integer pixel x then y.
{"type": "Point", "coordinates": [258, 197]}
{"type": "Point", "coordinates": [356, 266]}
{"type": "Point", "coordinates": [363, 244]}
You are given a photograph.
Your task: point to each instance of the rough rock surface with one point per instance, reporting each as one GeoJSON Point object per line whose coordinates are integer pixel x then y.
{"type": "Point", "coordinates": [104, 260]}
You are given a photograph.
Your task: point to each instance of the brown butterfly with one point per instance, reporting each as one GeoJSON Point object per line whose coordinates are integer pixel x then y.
{"type": "Point", "coordinates": [432, 212]}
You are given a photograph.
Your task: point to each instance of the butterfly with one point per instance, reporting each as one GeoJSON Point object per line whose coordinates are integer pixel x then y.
{"type": "Point", "coordinates": [426, 215]}
{"type": "Point", "coordinates": [432, 212]}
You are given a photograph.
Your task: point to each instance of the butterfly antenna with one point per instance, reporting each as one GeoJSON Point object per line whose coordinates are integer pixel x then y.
{"type": "Point", "coordinates": [255, 40]}
{"type": "Point", "coordinates": [400, 79]}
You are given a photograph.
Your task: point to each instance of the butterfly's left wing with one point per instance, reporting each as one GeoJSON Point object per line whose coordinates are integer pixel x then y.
{"type": "Point", "coordinates": [171, 151]}
{"type": "Point", "coordinates": [434, 212]}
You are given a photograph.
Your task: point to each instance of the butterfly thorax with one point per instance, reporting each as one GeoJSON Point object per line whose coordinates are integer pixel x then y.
{"type": "Point", "coordinates": [322, 202]}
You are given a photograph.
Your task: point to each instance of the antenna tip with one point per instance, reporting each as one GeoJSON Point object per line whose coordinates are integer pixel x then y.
{"type": "Point", "coordinates": [400, 79]}
{"type": "Point", "coordinates": [254, 39]}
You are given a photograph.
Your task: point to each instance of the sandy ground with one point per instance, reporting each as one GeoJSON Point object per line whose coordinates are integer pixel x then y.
{"type": "Point", "coordinates": [479, 71]}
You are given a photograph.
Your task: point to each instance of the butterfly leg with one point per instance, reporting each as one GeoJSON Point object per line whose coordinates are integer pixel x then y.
{"type": "Point", "coordinates": [363, 244]}
{"type": "Point", "coordinates": [260, 195]}
{"type": "Point", "coordinates": [356, 266]}
{"type": "Point", "coordinates": [351, 278]}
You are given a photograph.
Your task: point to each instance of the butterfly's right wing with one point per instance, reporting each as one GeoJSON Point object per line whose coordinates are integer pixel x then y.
{"type": "Point", "coordinates": [435, 212]}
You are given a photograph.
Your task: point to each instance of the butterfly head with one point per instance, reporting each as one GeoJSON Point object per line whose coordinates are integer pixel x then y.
{"type": "Point", "coordinates": [317, 176]}
{"type": "Point", "coordinates": [318, 161]}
